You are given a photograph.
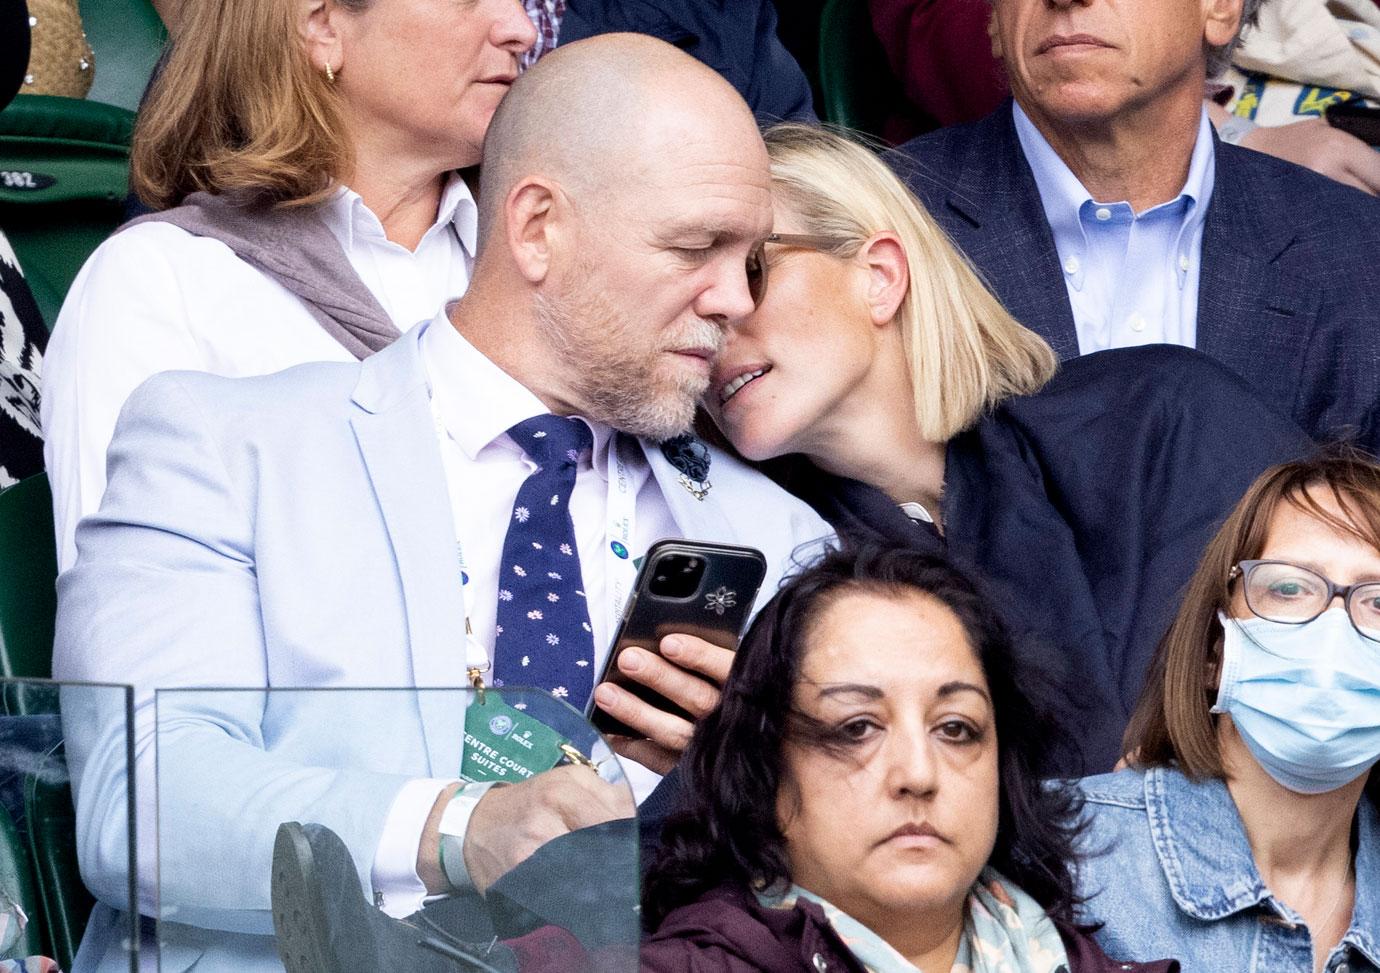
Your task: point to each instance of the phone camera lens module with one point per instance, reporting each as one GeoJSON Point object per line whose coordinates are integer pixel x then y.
{"type": "Point", "coordinates": [677, 576]}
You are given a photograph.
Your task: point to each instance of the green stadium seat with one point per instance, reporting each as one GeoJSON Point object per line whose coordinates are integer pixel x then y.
{"type": "Point", "coordinates": [64, 162]}
{"type": "Point", "coordinates": [64, 176]}
{"type": "Point", "coordinates": [857, 87]}
{"type": "Point", "coordinates": [28, 575]}
{"type": "Point", "coordinates": [52, 827]}
{"type": "Point", "coordinates": [18, 883]}
{"type": "Point", "coordinates": [127, 37]}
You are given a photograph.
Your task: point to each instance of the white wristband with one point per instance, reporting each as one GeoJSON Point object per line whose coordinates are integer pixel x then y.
{"type": "Point", "coordinates": [455, 821]}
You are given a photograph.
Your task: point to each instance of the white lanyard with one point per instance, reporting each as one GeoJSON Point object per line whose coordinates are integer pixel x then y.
{"type": "Point", "coordinates": [619, 570]}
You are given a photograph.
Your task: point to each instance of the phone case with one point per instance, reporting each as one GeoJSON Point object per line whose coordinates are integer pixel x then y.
{"type": "Point", "coordinates": [717, 612]}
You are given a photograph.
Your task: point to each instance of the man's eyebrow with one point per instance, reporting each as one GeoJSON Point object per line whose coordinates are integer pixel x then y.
{"type": "Point", "coordinates": [699, 229]}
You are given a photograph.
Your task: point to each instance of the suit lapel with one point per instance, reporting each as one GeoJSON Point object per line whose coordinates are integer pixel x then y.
{"type": "Point", "coordinates": [396, 438]}
{"type": "Point", "coordinates": [1252, 317]}
{"type": "Point", "coordinates": [1005, 233]}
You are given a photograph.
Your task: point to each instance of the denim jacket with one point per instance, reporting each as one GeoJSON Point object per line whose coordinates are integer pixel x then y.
{"type": "Point", "coordinates": [1168, 870]}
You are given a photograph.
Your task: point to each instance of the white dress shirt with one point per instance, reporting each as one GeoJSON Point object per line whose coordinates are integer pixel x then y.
{"type": "Point", "coordinates": [1132, 278]}
{"type": "Point", "coordinates": [154, 298]}
{"type": "Point", "coordinates": [477, 402]}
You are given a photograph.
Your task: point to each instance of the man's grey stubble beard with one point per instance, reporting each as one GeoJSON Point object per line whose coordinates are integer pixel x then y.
{"type": "Point", "coordinates": [616, 389]}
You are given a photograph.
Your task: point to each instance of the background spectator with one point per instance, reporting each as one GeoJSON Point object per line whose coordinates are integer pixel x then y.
{"type": "Point", "coordinates": [941, 53]}
{"type": "Point", "coordinates": [1249, 823]}
{"type": "Point", "coordinates": [1105, 214]}
{"type": "Point", "coordinates": [311, 154]}
{"type": "Point", "coordinates": [22, 334]}
{"type": "Point", "coordinates": [865, 795]}
{"type": "Point", "coordinates": [916, 411]}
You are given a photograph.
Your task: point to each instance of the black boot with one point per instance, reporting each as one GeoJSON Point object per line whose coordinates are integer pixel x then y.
{"type": "Point", "coordinates": [325, 924]}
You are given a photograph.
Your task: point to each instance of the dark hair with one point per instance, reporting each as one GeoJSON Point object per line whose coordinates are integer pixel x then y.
{"type": "Point", "coordinates": [729, 832]}
{"type": "Point", "coordinates": [1173, 724]}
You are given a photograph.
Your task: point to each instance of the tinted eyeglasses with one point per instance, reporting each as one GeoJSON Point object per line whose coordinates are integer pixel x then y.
{"type": "Point", "coordinates": [1278, 591]}
{"type": "Point", "coordinates": [757, 257]}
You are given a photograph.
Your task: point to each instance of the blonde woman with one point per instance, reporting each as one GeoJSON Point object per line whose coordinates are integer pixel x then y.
{"type": "Point", "coordinates": [303, 154]}
{"type": "Point", "coordinates": [915, 410]}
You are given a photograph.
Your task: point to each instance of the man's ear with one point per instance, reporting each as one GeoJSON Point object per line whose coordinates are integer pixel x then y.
{"type": "Point", "coordinates": [1221, 21]}
{"type": "Point", "coordinates": [888, 275]}
{"type": "Point", "coordinates": [319, 35]}
{"type": "Point", "coordinates": [531, 218]}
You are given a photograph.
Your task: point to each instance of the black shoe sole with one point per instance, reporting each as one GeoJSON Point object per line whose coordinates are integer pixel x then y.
{"type": "Point", "coordinates": [299, 915]}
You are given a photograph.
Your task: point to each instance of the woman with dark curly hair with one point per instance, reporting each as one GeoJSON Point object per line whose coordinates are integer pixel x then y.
{"type": "Point", "coordinates": [865, 796]}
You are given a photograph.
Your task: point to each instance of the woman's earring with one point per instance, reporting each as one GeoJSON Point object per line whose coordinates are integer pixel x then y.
{"type": "Point", "coordinates": [330, 75]}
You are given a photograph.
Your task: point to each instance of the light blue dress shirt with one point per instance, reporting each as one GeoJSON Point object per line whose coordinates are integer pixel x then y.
{"type": "Point", "coordinates": [1132, 278]}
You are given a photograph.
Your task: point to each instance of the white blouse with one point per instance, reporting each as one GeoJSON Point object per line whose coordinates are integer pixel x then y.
{"type": "Point", "coordinates": [155, 298]}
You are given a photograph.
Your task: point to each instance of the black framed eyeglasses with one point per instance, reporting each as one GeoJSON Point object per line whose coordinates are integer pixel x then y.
{"type": "Point", "coordinates": [757, 257]}
{"type": "Point", "coordinates": [1279, 591]}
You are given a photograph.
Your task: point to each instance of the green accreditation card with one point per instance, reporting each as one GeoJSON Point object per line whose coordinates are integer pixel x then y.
{"type": "Point", "coordinates": [502, 743]}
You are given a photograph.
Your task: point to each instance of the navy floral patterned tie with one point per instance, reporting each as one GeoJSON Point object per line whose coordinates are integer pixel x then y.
{"type": "Point", "coordinates": [543, 637]}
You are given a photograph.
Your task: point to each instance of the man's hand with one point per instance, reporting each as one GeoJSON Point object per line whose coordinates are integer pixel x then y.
{"type": "Point", "coordinates": [1322, 148]}
{"type": "Point", "coordinates": [511, 822]}
{"type": "Point", "coordinates": [690, 675]}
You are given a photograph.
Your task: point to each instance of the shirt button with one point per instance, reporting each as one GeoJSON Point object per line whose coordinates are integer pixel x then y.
{"type": "Point", "coordinates": [819, 963]}
{"type": "Point", "coordinates": [1071, 265]}
{"type": "Point", "coordinates": [1103, 214]}
{"type": "Point", "coordinates": [1183, 261]}
{"type": "Point", "coordinates": [1136, 323]}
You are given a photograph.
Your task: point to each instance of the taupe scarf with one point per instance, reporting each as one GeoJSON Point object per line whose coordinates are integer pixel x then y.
{"type": "Point", "coordinates": [294, 247]}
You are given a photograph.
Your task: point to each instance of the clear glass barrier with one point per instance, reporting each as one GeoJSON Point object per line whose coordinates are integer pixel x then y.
{"type": "Point", "coordinates": [291, 833]}
{"type": "Point", "coordinates": [67, 871]}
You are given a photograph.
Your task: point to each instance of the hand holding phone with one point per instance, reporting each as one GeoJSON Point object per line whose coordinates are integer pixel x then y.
{"type": "Point", "coordinates": [691, 599]}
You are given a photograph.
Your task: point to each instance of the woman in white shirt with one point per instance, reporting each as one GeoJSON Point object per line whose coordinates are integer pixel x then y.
{"type": "Point", "coordinates": [278, 132]}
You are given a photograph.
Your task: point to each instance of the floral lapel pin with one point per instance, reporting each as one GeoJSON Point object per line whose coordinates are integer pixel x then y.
{"type": "Point", "coordinates": [691, 458]}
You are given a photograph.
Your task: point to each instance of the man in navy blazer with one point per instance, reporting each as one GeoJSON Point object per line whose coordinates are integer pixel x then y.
{"type": "Point", "coordinates": [1105, 211]}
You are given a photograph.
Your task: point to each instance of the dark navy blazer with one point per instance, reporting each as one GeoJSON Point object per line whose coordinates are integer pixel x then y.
{"type": "Point", "coordinates": [1083, 510]}
{"type": "Point", "coordinates": [1289, 293]}
{"type": "Point", "coordinates": [737, 38]}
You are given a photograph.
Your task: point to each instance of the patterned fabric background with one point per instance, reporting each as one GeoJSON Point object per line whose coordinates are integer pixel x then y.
{"type": "Point", "coordinates": [23, 338]}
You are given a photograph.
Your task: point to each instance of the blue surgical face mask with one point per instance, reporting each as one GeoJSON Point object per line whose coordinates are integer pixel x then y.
{"type": "Point", "coordinates": [1305, 698]}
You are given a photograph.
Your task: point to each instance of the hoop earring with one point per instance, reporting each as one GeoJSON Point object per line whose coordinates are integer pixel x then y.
{"type": "Point", "coordinates": [330, 75]}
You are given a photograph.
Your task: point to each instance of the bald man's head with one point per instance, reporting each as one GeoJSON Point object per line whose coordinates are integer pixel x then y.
{"type": "Point", "coordinates": [624, 186]}
{"type": "Point", "coordinates": [593, 115]}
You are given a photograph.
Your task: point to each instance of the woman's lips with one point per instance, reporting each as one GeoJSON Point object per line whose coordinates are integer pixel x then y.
{"type": "Point", "coordinates": [740, 380]}
{"type": "Point", "coordinates": [921, 835]}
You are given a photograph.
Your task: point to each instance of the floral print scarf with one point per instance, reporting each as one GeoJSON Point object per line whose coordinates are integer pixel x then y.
{"type": "Point", "coordinates": [1004, 931]}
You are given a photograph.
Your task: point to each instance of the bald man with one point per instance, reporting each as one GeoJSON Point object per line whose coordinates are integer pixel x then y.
{"type": "Point", "coordinates": [301, 529]}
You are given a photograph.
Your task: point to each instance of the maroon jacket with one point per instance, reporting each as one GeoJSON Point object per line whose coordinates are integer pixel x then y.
{"type": "Point", "coordinates": [727, 931]}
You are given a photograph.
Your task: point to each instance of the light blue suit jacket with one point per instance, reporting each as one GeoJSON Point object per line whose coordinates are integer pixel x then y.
{"type": "Point", "coordinates": [291, 530]}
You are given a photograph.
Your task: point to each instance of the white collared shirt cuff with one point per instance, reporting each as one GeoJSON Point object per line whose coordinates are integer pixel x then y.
{"type": "Point", "coordinates": [398, 890]}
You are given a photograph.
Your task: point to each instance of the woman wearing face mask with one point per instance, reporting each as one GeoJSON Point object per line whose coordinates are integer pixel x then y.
{"type": "Point", "coordinates": [864, 800]}
{"type": "Point", "coordinates": [1247, 831]}
{"type": "Point", "coordinates": [915, 410]}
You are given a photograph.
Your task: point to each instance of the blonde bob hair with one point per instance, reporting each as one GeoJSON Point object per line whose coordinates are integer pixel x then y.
{"type": "Point", "coordinates": [239, 108]}
{"type": "Point", "coordinates": [964, 351]}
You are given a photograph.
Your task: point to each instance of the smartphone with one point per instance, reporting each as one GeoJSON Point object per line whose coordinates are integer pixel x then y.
{"type": "Point", "coordinates": [687, 587]}
{"type": "Point", "coordinates": [1361, 121]}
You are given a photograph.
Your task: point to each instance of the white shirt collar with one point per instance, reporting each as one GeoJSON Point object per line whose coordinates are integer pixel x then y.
{"type": "Point", "coordinates": [1063, 195]}
{"type": "Point", "coordinates": [479, 402]}
{"type": "Point", "coordinates": [347, 216]}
